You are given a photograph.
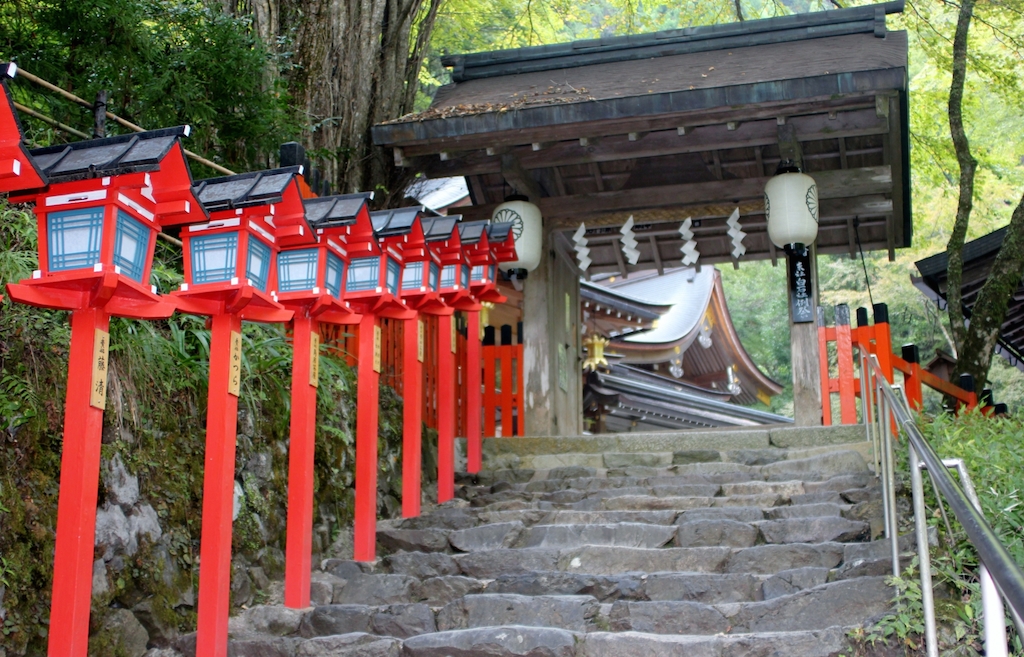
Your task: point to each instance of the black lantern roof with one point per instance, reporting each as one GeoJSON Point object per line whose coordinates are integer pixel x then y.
{"type": "Point", "coordinates": [438, 229]}
{"type": "Point", "coordinates": [388, 223]}
{"type": "Point", "coordinates": [245, 189]}
{"type": "Point", "coordinates": [498, 232]}
{"type": "Point", "coordinates": [339, 210]}
{"type": "Point", "coordinates": [110, 156]}
{"type": "Point", "coordinates": [472, 231]}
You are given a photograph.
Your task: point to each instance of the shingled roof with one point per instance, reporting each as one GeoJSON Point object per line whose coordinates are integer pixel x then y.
{"type": "Point", "coordinates": [111, 156]}
{"type": "Point", "coordinates": [338, 210]}
{"type": "Point", "coordinates": [245, 189]}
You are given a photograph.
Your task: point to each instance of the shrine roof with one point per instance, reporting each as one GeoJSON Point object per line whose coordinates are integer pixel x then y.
{"type": "Point", "coordinates": [110, 156]}
{"type": "Point", "coordinates": [498, 232]}
{"type": "Point", "coordinates": [437, 229]}
{"type": "Point", "coordinates": [245, 189]}
{"type": "Point", "coordinates": [338, 210]}
{"type": "Point", "coordinates": [472, 231]}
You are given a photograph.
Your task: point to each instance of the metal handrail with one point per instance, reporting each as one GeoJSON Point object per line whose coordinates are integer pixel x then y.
{"type": "Point", "coordinates": [999, 575]}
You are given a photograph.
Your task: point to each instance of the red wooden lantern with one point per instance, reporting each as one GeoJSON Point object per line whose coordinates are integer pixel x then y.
{"type": "Point", "coordinates": [17, 169]}
{"type": "Point", "coordinates": [106, 200]}
{"type": "Point", "coordinates": [230, 275]}
{"type": "Point", "coordinates": [372, 288]}
{"type": "Point", "coordinates": [311, 283]}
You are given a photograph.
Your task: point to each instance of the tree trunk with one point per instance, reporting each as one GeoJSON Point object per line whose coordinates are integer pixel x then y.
{"type": "Point", "coordinates": [976, 341]}
{"type": "Point", "coordinates": [353, 63]}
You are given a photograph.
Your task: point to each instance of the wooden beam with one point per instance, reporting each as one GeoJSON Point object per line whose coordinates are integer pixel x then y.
{"type": "Point", "coordinates": [595, 169]}
{"type": "Point", "coordinates": [716, 158]}
{"type": "Point", "coordinates": [559, 183]}
{"type": "Point", "coordinates": [621, 262]}
{"type": "Point", "coordinates": [657, 256]}
{"type": "Point", "coordinates": [518, 178]}
{"type": "Point", "coordinates": [789, 144]}
{"type": "Point", "coordinates": [667, 142]}
{"type": "Point", "coordinates": [831, 185]}
{"type": "Point", "coordinates": [842, 153]}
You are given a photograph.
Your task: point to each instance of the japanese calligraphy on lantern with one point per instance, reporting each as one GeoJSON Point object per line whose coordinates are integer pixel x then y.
{"type": "Point", "coordinates": [801, 301]}
{"type": "Point", "coordinates": [235, 365]}
{"type": "Point", "coordinates": [100, 363]}
{"type": "Point", "coordinates": [314, 359]}
{"type": "Point", "coordinates": [453, 332]}
{"type": "Point", "coordinates": [376, 349]}
{"type": "Point", "coordinates": [421, 341]}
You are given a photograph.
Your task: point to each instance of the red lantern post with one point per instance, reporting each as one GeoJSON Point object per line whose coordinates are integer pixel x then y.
{"type": "Point", "coordinates": [230, 276]}
{"type": "Point", "coordinates": [372, 289]}
{"type": "Point", "coordinates": [98, 219]}
{"type": "Point", "coordinates": [485, 245]}
{"type": "Point", "coordinates": [311, 283]}
{"type": "Point", "coordinates": [419, 292]}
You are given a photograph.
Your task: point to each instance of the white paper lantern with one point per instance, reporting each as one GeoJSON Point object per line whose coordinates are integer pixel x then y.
{"type": "Point", "coordinates": [527, 229]}
{"type": "Point", "coordinates": [791, 208]}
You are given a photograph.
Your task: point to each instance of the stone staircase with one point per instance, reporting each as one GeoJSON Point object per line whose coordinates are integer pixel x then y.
{"type": "Point", "coordinates": [721, 545]}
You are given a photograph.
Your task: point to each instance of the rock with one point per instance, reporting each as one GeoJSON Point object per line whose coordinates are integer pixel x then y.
{"type": "Point", "coordinates": [439, 591]}
{"type": "Point", "coordinates": [241, 585]}
{"type": "Point", "coordinates": [791, 581]}
{"type": "Point", "coordinates": [702, 533]}
{"type": "Point", "coordinates": [708, 588]}
{"type": "Point", "coordinates": [600, 560]}
{"type": "Point", "coordinates": [344, 568]}
{"type": "Point", "coordinates": [125, 633]}
{"type": "Point", "coordinates": [804, 511]}
{"type": "Point", "coordinates": [627, 459]}
{"type": "Point", "coordinates": [840, 462]}
{"type": "Point", "coordinates": [152, 652]}
{"type": "Point", "coordinates": [770, 559]}
{"type": "Point", "coordinates": [143, 523]}
{"type": "Point", "coordinates": [871, 512]}
{"type": "Point", "coordinates": [839, 483]}
{"type": "Point", "coordinates": [261, 646]}
{"type": "Point", "coordinates": [261, 466]}
{"type": "Point", "coordinates": [422, 565]}
{"type": "Point", "coordinates": [446, 518]}
{"type": "Point", "coordinates": [271, 560]}
{"type": "Point", "coordinates": [336, 619]}
{"type": "Point", "coordinates": [755, 456]}
{"type": "Point", "coordinates": [321, 587]}
{"type": "Point", "coordinates": [379, 590]}
{"type": "Point", "coordinates": [274, 619]}
{"type": "Point", "coordinates": [121, 486]}
{"type": "Point", "coordinates": [512, 641]}
{"type": "Point", "coordinates": [259, 578]}
{"type": "Point", "coordinates": [569, 612]}
{"type": "Point", "coordinates": [161, 632]}
{"type": "Point", "coordinates": [815, 608]}
{"type": "Point", "coordinates": [601, 587]}
{"type": "Point", "coordinates": [486, 537]}
{"type": "Point", "coordinates": [489, 564]}
{"type": "Point", "coordinates": [695, 456]}
{"type": "Point", "coordinates": [781, 488]}
{"type": "Point", "coordinates": [814, 530]}
{"type": "Point", "coordinates": [404, 620]}
{"type": "Point", "coordinates": [650, 503]}
{"type": "Point", "coordinates": [737, 513]}
{"type": "Point", "coordinates": [621, 644]}
{"type": "Point", "coordinates": [112, 534]}
{"type": "Point", "coordinates": [625, 534]}
{"type": "Point", "coordinates": [571, 472]}
{"type": "Point", "coordinates": [356, 644]}
{"type": "Point", "coordinates": [667, 617]}
{"type": "Point", "coordinates": [860, 495]}
{"type": "Point", "coordinates": [236, 504]}
{"type": "Point", "coordinates": [413, 540]}
{"type": "Point", "coordinates": [99, 580]}
{"type": "Point", "coordinates": [567, 517]}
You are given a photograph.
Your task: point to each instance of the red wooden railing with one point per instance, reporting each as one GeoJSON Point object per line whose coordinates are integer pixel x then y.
{"type": "Point", "coordinates": [503, 385]}
{"type": "Point", "coordinates": [851, 343]}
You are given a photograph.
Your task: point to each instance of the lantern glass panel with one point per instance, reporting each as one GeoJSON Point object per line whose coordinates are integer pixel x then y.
{"type": "Point", "coordinates": [363, 274]}
{"type": "Point", "coordinates": [74, 238]}
{"type": "Point", "coordinates": [335, 274]}
{"type": "Point", "coordinates": [479, 273]}
{"type": "Point", "coordinates": [394, 275]}
{"type": "Point", "coordinates": [491, 270]}
{"type": "Point", "coordinates": [131, 246]}
{"type": "Point", "coordinates": [434, 274]}
{"type": "Point", "coordinates": [214, 257]}
{"type": "Point", "coordinates": [296, 270]}
{"type": "Point", "coordinates": [412, 276]}
{"type": "Point", "coordinates": [465, 276]}
{"type": "Point", "coordinates": [257, 266]}
{"type": "Point", "coordinates": [448, 276]}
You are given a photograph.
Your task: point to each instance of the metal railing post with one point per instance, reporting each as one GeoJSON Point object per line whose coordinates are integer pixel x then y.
{"type": "Point", "coordinates": [924, 554]}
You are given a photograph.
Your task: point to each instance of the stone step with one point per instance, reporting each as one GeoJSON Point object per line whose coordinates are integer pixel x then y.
{"type": "Point", "coordinates": [623, 534]}
{"type": "Point", "coordinates": [578, 613]}
{"type": "Point", "coordinates": [816, 643]}
{"type": "Point", "coordinates": [810, 609]}
{"type": "Point", "coordinates": [507, 641]}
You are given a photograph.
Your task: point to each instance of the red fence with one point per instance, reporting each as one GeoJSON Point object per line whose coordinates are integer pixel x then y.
{"type": "Point", "coordinates": [503, 385]}
{"type": "Point", "coordinates": [851, 343]}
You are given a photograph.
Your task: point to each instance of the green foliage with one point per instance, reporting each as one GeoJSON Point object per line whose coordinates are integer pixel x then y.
{"type": "Point", "coordinates": [164, 63]}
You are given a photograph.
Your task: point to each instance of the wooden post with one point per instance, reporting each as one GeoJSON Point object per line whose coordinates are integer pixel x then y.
{"type": "Point", "coordinates": [367, 414]}
{"type": "Point", "coordinates": [412, 418]}
{"type": "Point", "coordinates": [219, 486]}
{"type": "Point", "coordinates": [79, 483]}
{"type": "Point", "coordinates": [301, 448]}
{"type": "Point", "coordinates": [844, 353]}
{"type": "Point", "coordinates": [474, 456]}
{"type": "Point", "coordinates": [912, 381]}
{"type": "Point", "coordinates": [803, 338]}
{"type": "Point", "coordinates": [826, 395]}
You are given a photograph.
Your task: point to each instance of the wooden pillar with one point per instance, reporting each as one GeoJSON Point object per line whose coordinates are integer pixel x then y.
{"type": "Point", "coordinates": [803, 339]}
{"type": "Point", "coordinates": [551, 348]}
{"type": "Point", "coordinates": [412, 418]}
{"type": "Point", "coordinates": [445, 408]}
{"type": "Point", "coordinates": [367, 415]}
{"type": "Point", "coordinates": [474, 457]}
